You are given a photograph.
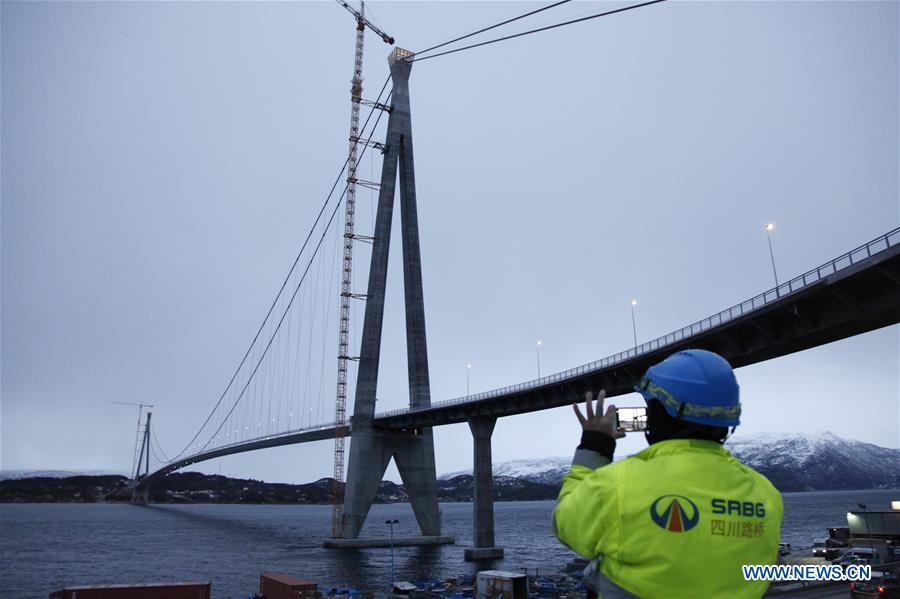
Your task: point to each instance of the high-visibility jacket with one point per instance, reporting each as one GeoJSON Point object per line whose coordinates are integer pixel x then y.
{"type": "Point", "coordinates": [678, 519]}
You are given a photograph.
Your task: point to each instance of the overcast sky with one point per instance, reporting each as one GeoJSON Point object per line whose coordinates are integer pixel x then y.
{"type": "Point", "coordinates": [162, 163]}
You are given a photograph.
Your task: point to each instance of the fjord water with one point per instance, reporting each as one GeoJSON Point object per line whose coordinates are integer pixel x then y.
{"type": "Point", "coordinates": [44, 547]}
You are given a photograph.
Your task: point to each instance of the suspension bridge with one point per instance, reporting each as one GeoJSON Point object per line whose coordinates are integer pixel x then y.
{"type": "Point", "coordinates": [281, 395]}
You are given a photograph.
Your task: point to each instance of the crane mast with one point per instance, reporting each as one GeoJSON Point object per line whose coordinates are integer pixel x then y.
{"type": "Point", "coordinates": [344, 358]}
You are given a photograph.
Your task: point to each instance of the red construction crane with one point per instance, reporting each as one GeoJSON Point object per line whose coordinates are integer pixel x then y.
{"type": "Point", "coordinates": [340, 409]}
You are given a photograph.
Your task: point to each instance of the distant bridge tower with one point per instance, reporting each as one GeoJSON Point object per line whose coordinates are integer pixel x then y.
{"type": "Point", "coordinates": [371, 449]}
{"type": "Point", "coordinates": [140, 495]}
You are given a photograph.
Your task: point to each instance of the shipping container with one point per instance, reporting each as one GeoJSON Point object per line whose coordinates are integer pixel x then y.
{"type": "Point", "coordinates": [161, 590]}
{"type": "Point", "coordinates": [283, 586]}
{"type": "Point", "coordinates": [508, 585]}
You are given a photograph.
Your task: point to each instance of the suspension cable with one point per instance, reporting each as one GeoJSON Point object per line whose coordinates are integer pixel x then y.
{"type": "Point", "coordinates": [538, 30]}
{"type": "Point", "coordinates": [155, 455]}
{"type": "Point", "coordinates": [462, 37]}
{"type": "Point", "coordinates": [296, 290]}
{"type": "Point", "coordinates": [155, 439]}
{"type": "Point", "coordinates": [284, 283]}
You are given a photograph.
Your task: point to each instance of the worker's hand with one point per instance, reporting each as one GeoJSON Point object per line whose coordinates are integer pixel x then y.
{"type": "Point", "coordinates": [598, 420]}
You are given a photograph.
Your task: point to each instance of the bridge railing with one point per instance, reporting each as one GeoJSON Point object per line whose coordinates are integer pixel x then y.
{"type": "Point", "coordinates": [274, 436]}
{"type": "Point", "coordinates": [879, 244]}
{"type": "Point", "coordinates": [844, 261]}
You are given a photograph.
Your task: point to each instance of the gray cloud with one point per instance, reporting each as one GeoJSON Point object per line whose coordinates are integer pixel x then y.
{"type": "Point", "coordinates": [162, 163]}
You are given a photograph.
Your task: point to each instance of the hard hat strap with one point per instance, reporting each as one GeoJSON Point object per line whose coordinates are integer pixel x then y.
{"type": "Point", "coordinates": [683, 408]}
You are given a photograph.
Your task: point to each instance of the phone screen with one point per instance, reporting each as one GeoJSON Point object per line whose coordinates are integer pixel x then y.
{"type": "Point", "coordinates": [631, 420]}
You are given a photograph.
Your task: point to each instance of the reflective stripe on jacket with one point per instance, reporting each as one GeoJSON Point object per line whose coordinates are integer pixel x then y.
{"type": "Point", "coordinates": [675, 520]}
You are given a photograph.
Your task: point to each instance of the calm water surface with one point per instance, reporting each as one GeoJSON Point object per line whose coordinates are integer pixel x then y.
{"type": "Point", "coordinates": [44, 547]}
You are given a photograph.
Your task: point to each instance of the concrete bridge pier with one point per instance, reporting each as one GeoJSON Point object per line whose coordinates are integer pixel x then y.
{"type": "Point", "coordinates": [371, 449]}
{"type": "Point", "coordinates": [484, 549]}
{"type": "Point", "coordinates": [413, 453]}
{"type": "Point", "coordinates": [140, 494]}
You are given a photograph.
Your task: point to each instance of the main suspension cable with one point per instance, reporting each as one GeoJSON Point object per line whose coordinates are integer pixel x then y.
{"type": "Point", "coordinates": [155, 439]}
{"type": "Point", "coordinates": [538, 30]}
{"type": "Point", "coordinates": [506, 22]}
{"type": "Point", "coordinates": [296, 289]}
{"type": "Point", "coordinates": [284, 283]}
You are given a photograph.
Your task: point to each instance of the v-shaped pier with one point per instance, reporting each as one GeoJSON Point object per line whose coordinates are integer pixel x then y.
{"type": "Point", "coordinates": [371, 449]}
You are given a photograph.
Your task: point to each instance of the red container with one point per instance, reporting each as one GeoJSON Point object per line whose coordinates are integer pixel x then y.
{"type": "Point", "coordinates": [283, 586]}
{"type": "Point", "coordinates": [159, 590]}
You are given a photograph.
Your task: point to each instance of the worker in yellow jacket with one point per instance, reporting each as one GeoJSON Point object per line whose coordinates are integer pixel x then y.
{"type": "Point", "coordinates": [681, 517]}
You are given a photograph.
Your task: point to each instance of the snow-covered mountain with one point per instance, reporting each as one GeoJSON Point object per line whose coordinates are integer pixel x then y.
{"type": "Point", "coordinates": [818, 461]}
{"type": "Point", "coordinates": [19, 474]}
{"type": "Point", "coordinates": [545, 470]}
{"type": "Point", "coordinates": [792, 461]}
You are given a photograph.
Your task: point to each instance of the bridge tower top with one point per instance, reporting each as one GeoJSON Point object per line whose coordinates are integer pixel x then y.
{"type": "Point", "coordinates": [399, 54]}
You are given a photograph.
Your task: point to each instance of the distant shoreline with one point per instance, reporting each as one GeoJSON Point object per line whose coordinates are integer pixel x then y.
{"type": "Point", "coordinates": [202, 489]}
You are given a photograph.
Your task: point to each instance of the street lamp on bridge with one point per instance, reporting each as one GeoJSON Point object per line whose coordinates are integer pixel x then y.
{"type": "Point", "coordinates": [768, 228]}
{"type": "Point", "coordinates": [633, 325]}
{"type": "Point", "coordinates": [539, 357]}
{"type": "Point", "coordinates": [468, 368]}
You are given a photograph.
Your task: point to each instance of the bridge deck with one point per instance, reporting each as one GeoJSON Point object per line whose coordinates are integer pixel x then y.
{"type": "Point", "coordinates": [852, 294]}
{"type": "Point", "coordinates": [289, 438]}
{"type": "Point", "coordinates": [861, 297]}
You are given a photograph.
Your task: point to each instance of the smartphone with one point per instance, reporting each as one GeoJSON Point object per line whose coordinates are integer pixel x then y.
{"type": "Point", "coordinates": [631, 420]}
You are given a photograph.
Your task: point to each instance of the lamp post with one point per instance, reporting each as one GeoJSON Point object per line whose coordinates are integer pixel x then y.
{"type": "Point", "coordinates": [633, 325]}
{"type": "Point", "coordinates": [862, 506]}
{"type": "Point", "coordinates": [468, 368]}
{"type": "Point", "coordinates": [391, 523]}
{"type": "Point", "coordinates": [768, 228]}
{"type": "Point", "coordinates": [539, 357]}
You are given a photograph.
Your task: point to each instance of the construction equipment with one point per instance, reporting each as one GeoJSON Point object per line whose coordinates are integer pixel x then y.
{"type": "Point", "coordinates": [344, 358]}
{"type": "Point", "coordinates": [135, 465]}
{"type": "Point", "coordinates": [362, 23]}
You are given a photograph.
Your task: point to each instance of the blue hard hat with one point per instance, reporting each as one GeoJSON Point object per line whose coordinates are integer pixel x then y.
{"type": "Point", "coordinates": [694, 385]}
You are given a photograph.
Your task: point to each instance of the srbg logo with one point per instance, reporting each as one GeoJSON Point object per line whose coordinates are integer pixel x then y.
{"type": "Point", "coordinates": [679, 514]}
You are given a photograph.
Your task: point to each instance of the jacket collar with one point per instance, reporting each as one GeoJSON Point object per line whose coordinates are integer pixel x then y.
{"type": "Point", "coordinates": [676, 446]}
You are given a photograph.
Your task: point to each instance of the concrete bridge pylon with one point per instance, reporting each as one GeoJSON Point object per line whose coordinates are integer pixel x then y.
{"type": "Point", "coordinates": [371, 449]}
